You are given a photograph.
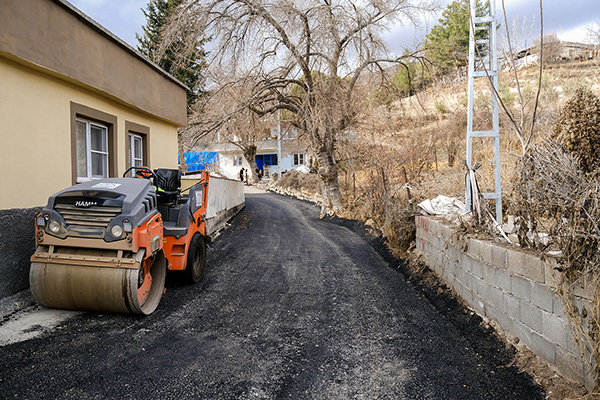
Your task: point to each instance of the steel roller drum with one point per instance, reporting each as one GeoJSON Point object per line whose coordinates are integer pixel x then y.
{"type": "Point", "coordinates": [79, 287]}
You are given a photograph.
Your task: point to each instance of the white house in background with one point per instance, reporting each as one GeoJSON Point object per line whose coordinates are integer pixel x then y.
{"type": "Point", "coordinates": [560, 51]}
{"type": "Point", "coordinates": [269, 158]}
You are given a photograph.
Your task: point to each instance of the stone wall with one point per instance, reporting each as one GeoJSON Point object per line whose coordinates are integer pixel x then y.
{"type": "Point", "coordinates": [506, 285]}
{"type": "Point", "coordinates": [17, 234]}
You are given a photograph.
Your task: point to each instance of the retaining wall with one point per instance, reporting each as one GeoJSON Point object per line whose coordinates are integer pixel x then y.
{"type": "Point", "coordinates": [508, 286]}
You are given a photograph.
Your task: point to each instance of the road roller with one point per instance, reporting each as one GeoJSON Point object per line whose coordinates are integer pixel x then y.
{"type": "Point", "coordinates": [106, 244]}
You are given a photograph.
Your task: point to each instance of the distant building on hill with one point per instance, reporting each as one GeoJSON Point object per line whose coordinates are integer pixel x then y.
{"type": "Point", "coordinates": [558, 51]}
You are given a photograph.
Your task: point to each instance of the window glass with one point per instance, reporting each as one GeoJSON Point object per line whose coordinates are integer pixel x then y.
{"type": "Point", "coordinates": [137, 142]}
{"type": "Point", "coordinates": [81, 149]}
{"type": "Point", "coordinates": [136, 152]}
{"type": "Point", "coordinates": [98, 138]}
{"type": "Point", "coordinates": [98, 165]}
{"type": "Point", "coordinates": [92, 150]}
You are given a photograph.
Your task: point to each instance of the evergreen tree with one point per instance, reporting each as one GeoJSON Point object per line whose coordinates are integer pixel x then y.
{"type": "Point", "coordinates": [447, 44]}
{"type": "Point", "coordinates": [183, 64]}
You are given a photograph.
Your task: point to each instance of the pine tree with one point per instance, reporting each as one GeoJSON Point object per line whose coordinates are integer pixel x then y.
{"type": "Point", "coordinates": [447, 44]}
{"type": "Point", "coordinates": [184, 65]}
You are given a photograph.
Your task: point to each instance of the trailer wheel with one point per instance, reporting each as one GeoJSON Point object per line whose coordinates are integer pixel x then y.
{"type": "Point", "coordinates": [196, 258]}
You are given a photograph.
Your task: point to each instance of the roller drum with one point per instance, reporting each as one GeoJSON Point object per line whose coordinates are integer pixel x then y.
{"type": "Point", "coordinates": [79, 287]}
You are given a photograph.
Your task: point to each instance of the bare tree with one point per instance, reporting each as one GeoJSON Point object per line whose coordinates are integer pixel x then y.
{"type": "Point", "coordinates": [552, 47]}
{"type": "Point", "coordinates": [304, 57]}
{"type": "Point", "coordinates": [224, 117]}
{"type": "Point", "coordinates": [593, 31]}
{"type": "Point", "coordinates": [524, 126]}
{"type": "Point", "coordinates": [518, 32]}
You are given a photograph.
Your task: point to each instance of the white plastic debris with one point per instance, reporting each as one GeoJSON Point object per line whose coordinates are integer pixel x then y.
{"type": "Point", "coordinates": [450, 208]}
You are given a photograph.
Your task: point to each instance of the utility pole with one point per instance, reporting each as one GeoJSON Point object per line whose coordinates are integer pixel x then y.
{"type": "Point", "coordinates": [484, 64]}
{"type": "Point", "coordinates": [279, 143]}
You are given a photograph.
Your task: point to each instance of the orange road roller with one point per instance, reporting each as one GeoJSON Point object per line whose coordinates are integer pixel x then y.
{"type": "Point", "coordinates": [106, 244]}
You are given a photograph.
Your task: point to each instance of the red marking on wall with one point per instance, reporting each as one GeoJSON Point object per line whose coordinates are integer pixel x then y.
{"type": "Point", "coordinates": [423, 223]}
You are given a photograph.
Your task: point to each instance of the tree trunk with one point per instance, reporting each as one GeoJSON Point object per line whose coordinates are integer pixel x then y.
{"type": "Point", "coordinates": [330, 186]}
{"type": "Point", "coordinates": [250, 156]}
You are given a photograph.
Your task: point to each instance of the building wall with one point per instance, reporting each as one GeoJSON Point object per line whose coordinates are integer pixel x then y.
{"type": "Point", "coordinates": [55, 35]}
{"type": "Point", "coordinates": [35, 130]}
{"type": "Point", "coordinates": [510, 287]}
{"type": "Point", "coordinates": [57, 64]}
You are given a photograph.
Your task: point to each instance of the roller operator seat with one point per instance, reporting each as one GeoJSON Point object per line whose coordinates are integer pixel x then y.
{"type": "Point", "coordinates": [168, 185]}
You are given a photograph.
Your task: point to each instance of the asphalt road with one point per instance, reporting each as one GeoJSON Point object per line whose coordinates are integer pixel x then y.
{"type": "Point", "coordinates": [290, 307]}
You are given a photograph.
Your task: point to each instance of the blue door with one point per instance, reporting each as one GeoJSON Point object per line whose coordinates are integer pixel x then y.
{"type": "Point", "coordinates": [260, 162]}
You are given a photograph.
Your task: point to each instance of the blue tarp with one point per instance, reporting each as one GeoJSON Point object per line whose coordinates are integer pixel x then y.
{"type": "Point", "coordinates": [198, 161]}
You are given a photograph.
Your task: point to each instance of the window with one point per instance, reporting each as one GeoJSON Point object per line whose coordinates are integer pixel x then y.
{"type": "Point", "coordinates": [237, 160]}
{"type": "Point", "coordinates": [266, 159]}
{"type": "Point", "coordinates": [137, 145]}
{"type": "Point", "coordinates": [299, 159]}
{"type": "Point", "coordinates": [136, 154]}
{"type": "Point", "coordinates": [92, 150]}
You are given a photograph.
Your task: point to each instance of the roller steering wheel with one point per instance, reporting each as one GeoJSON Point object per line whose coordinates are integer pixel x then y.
{"type": "Point", "coordinates": [140, 172]}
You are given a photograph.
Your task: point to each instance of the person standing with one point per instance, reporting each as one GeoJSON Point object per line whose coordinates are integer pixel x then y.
{"type": "Point", "coordinates": [242, 174]}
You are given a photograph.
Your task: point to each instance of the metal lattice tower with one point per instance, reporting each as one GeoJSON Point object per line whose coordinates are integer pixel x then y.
{"type": "Point", "coordinates": [484, 64]}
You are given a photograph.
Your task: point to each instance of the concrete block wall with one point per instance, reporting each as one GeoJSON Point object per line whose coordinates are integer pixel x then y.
{"type": "Point", "coordinates": [506, 285]}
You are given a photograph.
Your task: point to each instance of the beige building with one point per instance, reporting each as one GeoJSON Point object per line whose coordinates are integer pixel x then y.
{"type": "Point", "coordinates": [76, 103]}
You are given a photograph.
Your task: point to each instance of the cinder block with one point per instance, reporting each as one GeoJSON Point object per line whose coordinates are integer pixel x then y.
{"type": "Point", "coordinates": [483, 251]}
{"type": "Point", "coordinates": [452, 267]}
{"type": "Point", "coordinates": [479, 250]}
{"type": "Point", "coordinates": [446, 232]}
{"type": "Point", "coordinates": [489, 274]}
{"type": "Point", "coordinates": [458, 287]}
{"type": "Point", "coordinates": [482, 288]}
{"type": "Point", "coordinates": [511, 305]}
{"type": "Point", "coordinates": [554, 328]}
{"type": "Point", "coordinates": [503, 280]}
{"type": "Point", "coordinates": [438, 243]}
{"type": "Point", "coordinates": [557, 307]}
{"type": "Point", "coordinates": [543, 348]}
{"type": "Point", "coordinates": [551, 273]}
{"type": "Point", "coordinates": [478, 305]}
{"type": "Point", "coordinates": [542, 296]}
{"type": "Point", "coordinates": [571, 365]}
{"type": "Point", "coordinates": [461, 276]}
{"type": "Point", "coordinates": [453, 254]}
{"type": "Point", "coordinates": [466, 262]}
{"type": "Point", "coordinates": [498, 256]}
{"type": "Point", "coordinates": [476, 269]}
{"type": "Point", "coordinates": [467, 295]}
{"type": "Point", "coordinates": [469, 281]}
{"type": "Point", "coordinates": [531, 316]}
{"type": "Point", "coordinates": [523, 333]}
{"type": "Point", "coordinates": [526, 265]}
{"type": "Point", "coordinates": [495, 296]}
{"type": "Point", "coordinates": [521, 287]}
{"type": "Point", "coordinates": [503, 319]}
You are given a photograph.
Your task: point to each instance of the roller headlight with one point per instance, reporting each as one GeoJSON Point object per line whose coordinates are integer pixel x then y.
{"type": "Point", "coordinates": [116, 230]}
{"type": "Point", "coordinates": [54, 226]}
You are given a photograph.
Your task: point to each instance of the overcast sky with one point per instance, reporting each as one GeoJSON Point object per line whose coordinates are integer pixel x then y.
{"type": "Point", "coordinates": [567, 18]}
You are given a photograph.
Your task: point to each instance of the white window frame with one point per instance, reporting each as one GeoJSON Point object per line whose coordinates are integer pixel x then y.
{"type": "Point", "coordinates": [89, 151]}
{"type": "Point", "coordinates": [299, 158]}
{"type": "Point", "coordinates": [133, 160]}
{"type": "Point", "coordinates": [238, 161]}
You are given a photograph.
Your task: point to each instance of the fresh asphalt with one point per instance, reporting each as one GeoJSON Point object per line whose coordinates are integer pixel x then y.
{"type": "Point", "coordinates": [290, 307]}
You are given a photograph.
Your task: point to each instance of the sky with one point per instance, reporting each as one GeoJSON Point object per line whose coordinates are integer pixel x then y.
{"type": "Point", "coordinates": [567, 18]}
